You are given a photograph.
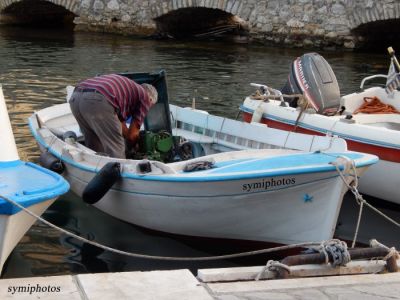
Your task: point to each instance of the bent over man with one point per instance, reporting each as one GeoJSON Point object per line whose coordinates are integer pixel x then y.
{"type": "Point", "coordinates": [102, 104]}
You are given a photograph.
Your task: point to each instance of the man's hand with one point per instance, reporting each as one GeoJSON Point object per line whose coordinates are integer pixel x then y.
{"type": "Point", "coordinates": [131, 134]}
{"type": "Point", "coordinates": [124, 129]}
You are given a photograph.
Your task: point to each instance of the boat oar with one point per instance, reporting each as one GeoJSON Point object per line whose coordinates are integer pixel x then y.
{"type": "Point", "coordinates": [396, 62]}
{"type": "Point", "coordinates": [102, 182]}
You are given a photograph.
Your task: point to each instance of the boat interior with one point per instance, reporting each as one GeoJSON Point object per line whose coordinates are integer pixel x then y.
{"type": "Point", "coordinates": [372, 106]}
{"type": "Point", "coordinates": [202, 137]}
{"type": "Point", "coordinates": [385, 120]}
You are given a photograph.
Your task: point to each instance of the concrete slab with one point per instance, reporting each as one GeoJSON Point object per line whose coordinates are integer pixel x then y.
{"type": "Point", "coordinates": [175, 284]}
{"type": "Point", "coordinates": [52, 287]}
{"type": "Point", "coordinates": [181, 284]}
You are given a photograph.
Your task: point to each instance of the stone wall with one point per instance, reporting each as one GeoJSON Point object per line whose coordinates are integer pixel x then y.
{"type": "Point", "coordinates": [296, 22]}
{"type": "Point", "coordinates": [318, 22]}
{"type": "Point", "coordinates": [121, 16]}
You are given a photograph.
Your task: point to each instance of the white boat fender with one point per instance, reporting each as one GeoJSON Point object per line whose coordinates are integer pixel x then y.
{"type": "Point", "coordinates": [49, 161]}
{"type": "Point", "coordinates": [258, 113]}
{"type": "Point", "coordinates": [102, 182]}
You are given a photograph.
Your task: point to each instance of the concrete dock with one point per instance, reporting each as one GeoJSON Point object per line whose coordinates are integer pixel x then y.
{"type": "Point", "coordinates": [182, 284]}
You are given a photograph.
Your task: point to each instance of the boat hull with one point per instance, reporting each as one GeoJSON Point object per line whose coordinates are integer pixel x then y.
{"type": "Point", "coordinates": [302, 212]}
{"type": "Point", "coordinates": [380, 180]}
{"type": "Point", "coordinates": [27, 184]}
{"type": "Point", "coordinates": [13, 227]}
{"type": "Point", "coordinates": [270, 187]}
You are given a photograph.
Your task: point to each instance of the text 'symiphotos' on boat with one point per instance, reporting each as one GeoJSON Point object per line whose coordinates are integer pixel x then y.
{"type": "Point", "coordinates": [25, 183]}
{"type": "Point", "coordinates": [197, 174]}
{"type": "Point", "coordinates": [310, 103]}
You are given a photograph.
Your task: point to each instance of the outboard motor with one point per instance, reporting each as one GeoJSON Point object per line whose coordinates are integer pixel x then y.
{"type": "Point", "coordinates": [312, 75]}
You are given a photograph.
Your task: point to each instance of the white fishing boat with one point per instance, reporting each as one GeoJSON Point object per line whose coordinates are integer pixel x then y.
{"type": "Point", "coordinates": [369, 129]}
{"type": "Point", "coordinates": [201, 175]}
{"type": "Point", "coordinates": [30, 185]}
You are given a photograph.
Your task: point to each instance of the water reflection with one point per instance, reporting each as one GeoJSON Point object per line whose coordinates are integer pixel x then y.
{"type": "Point", "coordinates": [37, 65]}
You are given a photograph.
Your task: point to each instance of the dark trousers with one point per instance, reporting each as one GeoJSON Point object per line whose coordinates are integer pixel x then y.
{"type": "Point", "coordinates": [99, 123]}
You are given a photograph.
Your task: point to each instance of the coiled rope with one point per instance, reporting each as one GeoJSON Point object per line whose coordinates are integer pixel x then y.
{"type": "Point", "coordinates": [373, 105]}
{"type": "Point", "coordinates": [334, 249]}
{"type": "Point", "coordinates": [156, 257]}
{"type": "Point", "coordinates": [337, 250]}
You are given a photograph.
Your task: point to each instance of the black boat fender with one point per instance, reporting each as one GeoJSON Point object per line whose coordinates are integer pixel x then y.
{"type": "Point", "coordinates": [69, 136]}
{"type": "Point", "coordinates": [102, 182]}
{"type": "Point", "coordinates": [49, 161]}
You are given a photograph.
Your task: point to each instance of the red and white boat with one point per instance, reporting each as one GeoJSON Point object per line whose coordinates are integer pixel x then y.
{"type": "Point", "coordinates": [326, 113]}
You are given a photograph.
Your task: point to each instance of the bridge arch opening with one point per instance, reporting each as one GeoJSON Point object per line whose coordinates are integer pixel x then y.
{"type": "Point", "coordinates": [378, 35]}
{"type": "Point", "coordinates": [34, 13]}
{"type": "Point", "coordinates": [200, 22]}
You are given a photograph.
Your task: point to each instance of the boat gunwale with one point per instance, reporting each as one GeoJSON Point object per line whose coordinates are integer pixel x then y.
{"type": "Point", "coordinates": [246, 109]}
{"type": "Point", "coordinates": [366, 160]}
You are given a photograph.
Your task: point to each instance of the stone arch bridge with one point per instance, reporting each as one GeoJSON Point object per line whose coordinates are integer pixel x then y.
{"type": "Point", "coordinates": [335, 23]}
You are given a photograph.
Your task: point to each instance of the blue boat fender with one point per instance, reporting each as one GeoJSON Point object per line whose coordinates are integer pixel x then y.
{"type": "Point", "coordinates": [49, 161]}
{"type": "Point", "coordinates": [102, 182]}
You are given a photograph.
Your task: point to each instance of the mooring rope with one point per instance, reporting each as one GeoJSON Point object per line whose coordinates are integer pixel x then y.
{"type": "Point", "coordinates": [334, 249]}
{"type": "Point", "coordinates": [272, 266]}
{"type": "Point", "coordinates": [391, 251]}
{"type": "Point", "coordinates": [156, 257]}
{"type": "Point", "coordinates": [353, 187]}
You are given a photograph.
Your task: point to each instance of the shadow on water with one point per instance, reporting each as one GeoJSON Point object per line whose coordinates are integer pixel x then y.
{"type": "Point", "coordinates": [37, 65]}
{"type": "Point", "coordinates": [45, 37]}
{"type": "Point", "coordinates": [44, 251]}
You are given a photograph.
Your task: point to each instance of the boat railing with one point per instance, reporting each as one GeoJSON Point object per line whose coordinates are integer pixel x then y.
{"type": "Point", "coordinates": [206, 136]}
{"type": "Point", "coordinates": [370, 78]}
{"type": "Point", "coordinates": [204, 128]}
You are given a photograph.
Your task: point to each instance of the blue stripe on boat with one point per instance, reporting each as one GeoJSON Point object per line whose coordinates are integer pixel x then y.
{"type": "Point", "coordinates": [280, 162]}
{"type": "Point", "coordinates": [28, 184]}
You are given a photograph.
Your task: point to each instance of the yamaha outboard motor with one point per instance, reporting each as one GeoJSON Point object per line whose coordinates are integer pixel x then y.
{"type": "Point", "coordinates": [312, 75]}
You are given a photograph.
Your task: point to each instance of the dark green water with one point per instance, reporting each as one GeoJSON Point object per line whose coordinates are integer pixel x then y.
{"type": "Point", "coordinates": [35, 67]}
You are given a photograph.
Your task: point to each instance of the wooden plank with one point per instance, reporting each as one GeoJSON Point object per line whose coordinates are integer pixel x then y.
{"type": "Point", "coordinates": [250, 273]}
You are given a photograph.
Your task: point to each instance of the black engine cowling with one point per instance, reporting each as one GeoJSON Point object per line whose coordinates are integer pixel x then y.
{"type": "Point", "coordinates": [312, 75]}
